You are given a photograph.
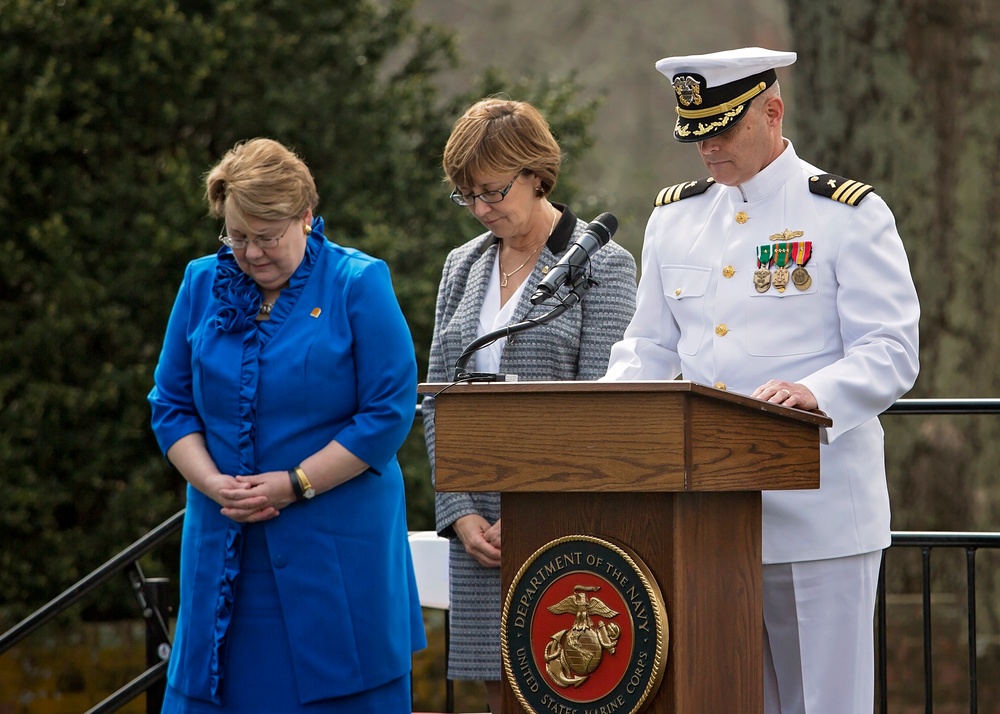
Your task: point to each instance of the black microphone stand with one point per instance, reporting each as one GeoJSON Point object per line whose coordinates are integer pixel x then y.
{"type": "Point", "coordinates": [581, 283]}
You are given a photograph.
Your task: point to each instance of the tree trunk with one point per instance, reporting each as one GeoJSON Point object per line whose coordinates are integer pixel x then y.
{"type": "Point", "coordinates": [904, 95]}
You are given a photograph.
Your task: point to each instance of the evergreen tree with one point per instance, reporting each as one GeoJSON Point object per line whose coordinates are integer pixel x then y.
{"type": "Point", "coordinates": [111, 112]}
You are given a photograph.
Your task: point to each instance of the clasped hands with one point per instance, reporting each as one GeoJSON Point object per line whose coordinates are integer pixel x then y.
{"type": "Point", "coordinates": [481, 540]}
{"type": "Point", "coordinates": [252, 499]}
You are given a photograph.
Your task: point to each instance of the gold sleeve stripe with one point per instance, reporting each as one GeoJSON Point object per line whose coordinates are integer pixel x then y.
{"type": "Point", "coordinates": [686, 189]}
{"type": "Point", "coordinates": [850, 191]}
{"type": "Point", "coordinates": [856, 195]}
{"type": "Point", "coordinates": [669, 194]}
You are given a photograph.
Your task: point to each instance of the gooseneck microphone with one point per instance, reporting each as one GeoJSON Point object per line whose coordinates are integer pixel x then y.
{"type": "Point", "coordinates": [569, 269]}
{"type": "Point", "coordinates": [595, 237]}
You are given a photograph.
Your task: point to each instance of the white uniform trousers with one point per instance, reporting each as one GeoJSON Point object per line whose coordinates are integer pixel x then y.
{"type": "Point", "coordinates": [819, 636]}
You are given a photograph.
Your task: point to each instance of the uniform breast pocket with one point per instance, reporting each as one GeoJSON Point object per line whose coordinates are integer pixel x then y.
{"type": "Point", "coordinates": [684, 289]}
{"type": "Point", "coordinates": [789, 323]}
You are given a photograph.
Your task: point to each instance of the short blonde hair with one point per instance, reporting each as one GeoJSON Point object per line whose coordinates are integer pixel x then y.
{"type": "Point", "coordinates": [501, 136]}
{"type": "Point", "coordinates": [260, 178]}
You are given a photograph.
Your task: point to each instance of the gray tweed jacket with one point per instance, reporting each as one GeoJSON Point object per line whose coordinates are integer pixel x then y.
{"type": "Point", "coordinates": [574, 346]}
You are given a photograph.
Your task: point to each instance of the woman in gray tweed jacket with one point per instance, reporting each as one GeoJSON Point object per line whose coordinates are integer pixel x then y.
{"type": "Point", "coordinates": [503, 162]}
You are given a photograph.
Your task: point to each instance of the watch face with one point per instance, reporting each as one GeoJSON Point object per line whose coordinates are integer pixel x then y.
{"type": "Point", "coordinates": [309, 493]}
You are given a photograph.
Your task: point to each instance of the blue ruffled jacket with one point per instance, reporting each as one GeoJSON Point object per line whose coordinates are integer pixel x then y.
{"type": "Point", "coordinates": [335, 361]}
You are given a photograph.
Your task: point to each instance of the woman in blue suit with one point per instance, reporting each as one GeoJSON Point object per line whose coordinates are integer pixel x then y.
{"type": "Point", "coordinates": [286, 384]}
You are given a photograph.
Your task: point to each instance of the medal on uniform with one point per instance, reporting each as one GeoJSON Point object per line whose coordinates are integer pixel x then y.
{"type": "Point", "coordinates": [801, 251]}
{"type": "Point", "coordinates": [781, 254]}
{"type": "Point", "coordinates": [762, 276]}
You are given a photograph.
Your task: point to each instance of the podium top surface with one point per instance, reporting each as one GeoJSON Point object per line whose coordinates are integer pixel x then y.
{"type": "Point", "coordinates": [815, 418]}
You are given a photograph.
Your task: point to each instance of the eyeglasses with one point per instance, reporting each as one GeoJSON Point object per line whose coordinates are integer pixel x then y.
{"type": "Point", "coordinates": [467, 199]}
{"type": "Point", "coordinates": [262, 242]}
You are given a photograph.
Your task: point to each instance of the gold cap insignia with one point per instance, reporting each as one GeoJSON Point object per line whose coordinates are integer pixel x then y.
{"type": "Point", "coordinates": [688, 90]}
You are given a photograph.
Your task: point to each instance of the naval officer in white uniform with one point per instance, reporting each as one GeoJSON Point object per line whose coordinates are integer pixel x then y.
{"type": "Point", "coordinates": [777, 280]}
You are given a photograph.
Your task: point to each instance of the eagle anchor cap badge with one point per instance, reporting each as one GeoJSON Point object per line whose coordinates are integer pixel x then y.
{"type": "Point", "coordinates": [688, 90]}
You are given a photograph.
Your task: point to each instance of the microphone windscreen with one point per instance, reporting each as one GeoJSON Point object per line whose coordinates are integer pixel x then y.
{"type": "Point", "coordinates": [608, 223]}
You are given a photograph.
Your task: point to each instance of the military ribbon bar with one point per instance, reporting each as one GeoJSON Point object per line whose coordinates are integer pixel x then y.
{"type": "Point", "coordinates": [762, 276]}
{"type": "Point", "coordinates": [801, 252]}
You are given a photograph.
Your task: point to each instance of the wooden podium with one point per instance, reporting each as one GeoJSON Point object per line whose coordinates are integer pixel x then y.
{"type": "Point", "coordinates": [672, 470]}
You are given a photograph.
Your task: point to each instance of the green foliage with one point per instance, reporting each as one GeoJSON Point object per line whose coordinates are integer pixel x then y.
{"type": "Point", "coordinates": [111, 112]}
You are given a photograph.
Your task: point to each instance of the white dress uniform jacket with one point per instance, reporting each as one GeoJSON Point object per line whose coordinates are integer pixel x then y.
{"type": "Point", "coordinates": [850, 337]}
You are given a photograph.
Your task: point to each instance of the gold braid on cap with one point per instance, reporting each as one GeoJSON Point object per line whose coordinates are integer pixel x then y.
{"type": "Point", "coordinates": [725, 106]}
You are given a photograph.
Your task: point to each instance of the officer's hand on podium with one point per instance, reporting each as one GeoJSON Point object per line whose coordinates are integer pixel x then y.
{"type": "Point", "coordinates": [789, 394]}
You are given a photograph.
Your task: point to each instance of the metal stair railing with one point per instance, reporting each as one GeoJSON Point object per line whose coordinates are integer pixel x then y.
{"type": "Point", "coordinates": [148, 593]}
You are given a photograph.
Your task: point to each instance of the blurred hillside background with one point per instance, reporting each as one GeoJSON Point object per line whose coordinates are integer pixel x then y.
{"type": "Point", "coordinates": [610, 49]}
{"type": "Point", "coordinates": [111, 111]}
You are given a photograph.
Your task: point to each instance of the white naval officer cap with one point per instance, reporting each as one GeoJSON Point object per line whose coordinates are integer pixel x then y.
{"type": "Point", "coordinates": [714, 90]}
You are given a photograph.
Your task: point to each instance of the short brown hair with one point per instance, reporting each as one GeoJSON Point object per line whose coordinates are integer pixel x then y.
{"type": "Point", "coordinates": [501, 136]}
{"type": "Point", "coordinates": [260, 178]}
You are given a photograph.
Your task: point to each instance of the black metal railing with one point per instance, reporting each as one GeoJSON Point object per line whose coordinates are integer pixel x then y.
{"type": "Point", "coordinates": [149, 592]}
{"type": "Point", "coordinates": [927, 542]}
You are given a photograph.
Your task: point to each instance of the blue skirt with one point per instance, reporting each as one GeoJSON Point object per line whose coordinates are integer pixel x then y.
{"type": "Point", "coordinates": [259, 676]}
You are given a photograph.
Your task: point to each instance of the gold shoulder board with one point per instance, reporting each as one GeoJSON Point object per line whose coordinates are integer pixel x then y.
{"type": "Point", "coordinates": [839, 188]}
{"type": "Point", "coordinates": [682, 190]}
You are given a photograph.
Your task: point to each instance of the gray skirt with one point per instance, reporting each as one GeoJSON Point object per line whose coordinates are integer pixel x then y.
{"type": "Point", "coordinates": [474, 646]}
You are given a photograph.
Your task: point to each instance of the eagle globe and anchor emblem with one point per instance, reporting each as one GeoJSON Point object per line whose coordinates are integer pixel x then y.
{"type": "Point", "coordinates": [572, 655]}
{"type": "Point", "coordinates": [611, 658]}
